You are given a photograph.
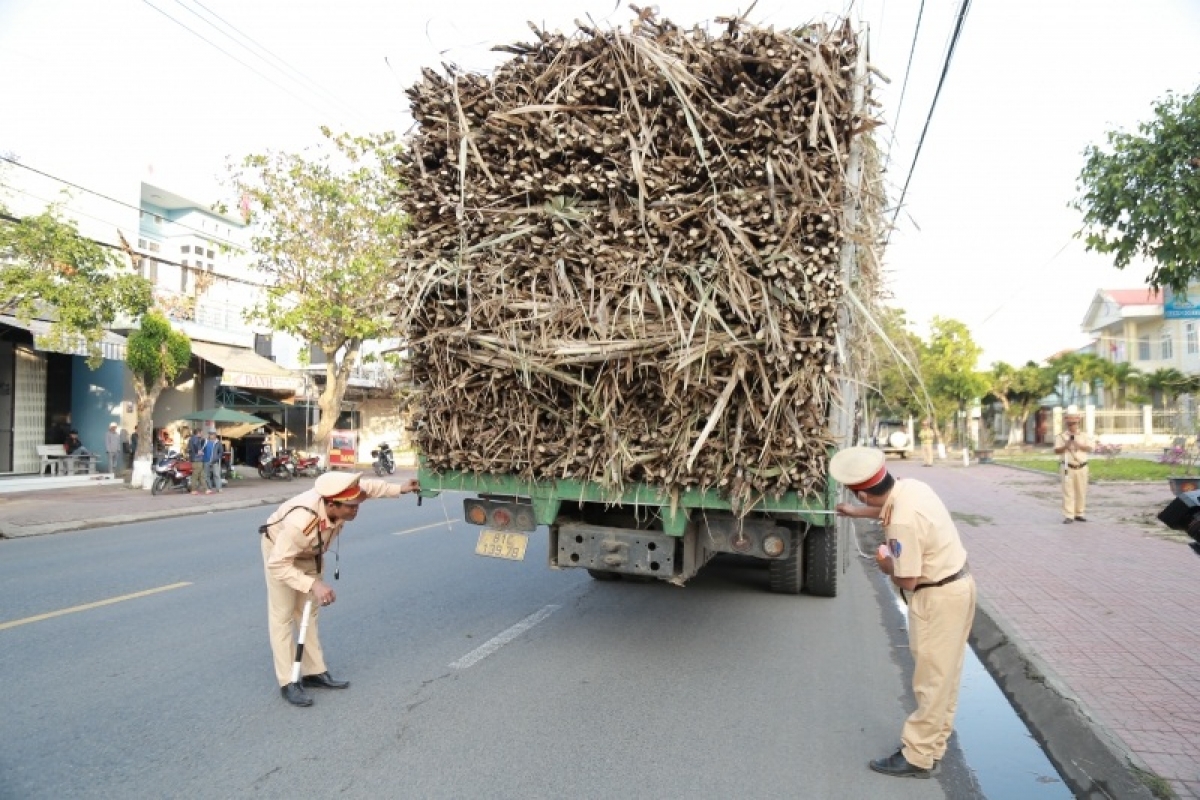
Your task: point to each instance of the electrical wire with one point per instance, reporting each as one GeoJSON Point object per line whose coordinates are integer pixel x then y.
{"type": "Point", "coordinates": [102, 196]}
{"type": "Point", "coordinates": [904, 85]}
{"type": "Point", "coordinates": [280, 64]}
{"type": "Point", "coordinates": [216, 46]}
{"type": "Point", "coordinates": [958, 26]}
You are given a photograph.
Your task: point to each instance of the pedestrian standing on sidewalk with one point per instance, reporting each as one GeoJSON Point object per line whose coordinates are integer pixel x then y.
{"type": "Point", "coordinates": [1074, 446]}
{"type": "Point", "coordinates": [214, 451]}
{"type": "Point", "coordinates": [926, 437]}
{"type": "Point", "coordinates": [294, 542]}
{"type": "Point", "coordinates": [195, 454]}
{"type": "Point", "coordinates": [924, 555]}
{"type": "Point", "coordinates": [112, 446]}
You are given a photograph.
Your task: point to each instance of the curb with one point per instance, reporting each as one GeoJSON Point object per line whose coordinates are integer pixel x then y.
{"type": "Point", "coordinates": [22, 531]}
{"type": "Point", "coordinates": [1091, 763]}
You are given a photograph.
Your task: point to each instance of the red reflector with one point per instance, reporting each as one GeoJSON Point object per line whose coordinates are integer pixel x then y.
{"type": "Point", "coordinates": [501, 518]}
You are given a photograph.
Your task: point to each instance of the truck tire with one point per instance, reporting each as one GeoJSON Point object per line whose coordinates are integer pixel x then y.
{"type": "Point", "coordinates": [784, 575]}
{"type": "Point", "coordinates": [820, 562]}
{"type": "Point", "coordinates": [601, 575]}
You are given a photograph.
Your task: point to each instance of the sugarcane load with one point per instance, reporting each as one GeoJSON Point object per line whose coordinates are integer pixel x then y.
{"type": "Point", "coordinates": [625, 265]}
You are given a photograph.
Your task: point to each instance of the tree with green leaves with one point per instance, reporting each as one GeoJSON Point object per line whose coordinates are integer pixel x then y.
{"type": "Point", "coordinates": [894, 377]}
{"type": "Point", "coordinates": [948, 368]}
{"type": "Point", "coordinates": [1139, 195]}
{"type": "Point", "coordinates": [1019, 390]}
{"type": "Point", "coordinates": [327, 234]}
{"type": "Point", "coordinates": [155, 354]}
{"type": "Point", "coordinates": [53, 272]}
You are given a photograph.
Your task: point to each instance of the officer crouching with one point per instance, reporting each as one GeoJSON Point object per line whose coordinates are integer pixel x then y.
{"type": "Point", "coordinates": [294, 542]}
{"type": "Point", "coordinates": [924, 555]}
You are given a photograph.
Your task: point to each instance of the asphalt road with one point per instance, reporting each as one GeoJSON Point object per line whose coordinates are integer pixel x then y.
{"type": "Point", "coordinates": [472, 677]}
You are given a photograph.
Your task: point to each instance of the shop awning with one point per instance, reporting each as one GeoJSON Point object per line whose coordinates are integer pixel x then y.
{"type": "Point", "coordinates": [246, 368]}
{"type": "Point", "coordinates": [112, 346]}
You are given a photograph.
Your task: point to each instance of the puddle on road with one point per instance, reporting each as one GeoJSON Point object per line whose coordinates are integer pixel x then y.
{"type": "Point", "coordinates": [997, 748]}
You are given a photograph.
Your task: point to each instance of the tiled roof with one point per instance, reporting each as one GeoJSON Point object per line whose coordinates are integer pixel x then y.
{"type": "Point", "coordinates": [1135, 297]}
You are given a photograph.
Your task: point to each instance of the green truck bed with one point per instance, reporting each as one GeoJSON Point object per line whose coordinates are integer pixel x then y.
{"type": "Point", "coordinates": [547, 497]}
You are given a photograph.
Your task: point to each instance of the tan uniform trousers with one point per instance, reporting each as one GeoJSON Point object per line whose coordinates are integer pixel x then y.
{"type": "Point", "coordinates": [927, 453]}
{"type": "Point", "coordinates": [939, 622]}
{"type": "Point", "coordinates": [285, 607]}
{"type": "Point", "coordinates": [1075, 483]}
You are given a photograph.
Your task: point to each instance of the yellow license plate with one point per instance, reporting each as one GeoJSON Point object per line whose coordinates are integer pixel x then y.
{"type": "Point", "coordinates": [501, 544]}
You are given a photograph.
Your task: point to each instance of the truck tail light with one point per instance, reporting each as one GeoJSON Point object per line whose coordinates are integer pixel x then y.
{"type": "Point", "coordinates": [773, 545]}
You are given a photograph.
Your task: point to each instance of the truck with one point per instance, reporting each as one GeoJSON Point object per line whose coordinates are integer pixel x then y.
{"type": "Point", "coordinates": [527, 212]}
{"type": "Point", "coordinates": [645, 533]}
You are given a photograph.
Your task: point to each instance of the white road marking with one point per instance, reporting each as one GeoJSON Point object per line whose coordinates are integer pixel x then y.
{"type": "Point", "coordinates": [496, 642]}
{"type": "Point", "coordinates": [424, 527]}
{"type": "Point", "coordinates": [88, 606]}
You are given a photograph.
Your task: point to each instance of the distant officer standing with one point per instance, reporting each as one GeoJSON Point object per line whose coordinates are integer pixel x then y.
{"type": "Point", "coordinates": [1074, 445]}
{"type": "Point", "coordinates": [923, 555]}
{"type": "Point", "coordinates": [927, 437]}
{"type": "Point", "coordinates": [294, 541]}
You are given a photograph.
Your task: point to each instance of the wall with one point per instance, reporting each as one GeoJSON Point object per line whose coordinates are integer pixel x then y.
{"type": "Point", "coordinates": [381, 422]}
{"type": "Point", "coordinates": [96, 399]}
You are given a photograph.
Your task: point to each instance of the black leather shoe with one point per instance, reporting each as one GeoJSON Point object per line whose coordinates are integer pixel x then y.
{"type": "Point", "coordinates": [324, 681]}
{"type": "Point", "coordinates": [294, 693]}
{"type": "Point", "coordinates": [1081, 519]}
{"type": "Point", "coordinates": [897, 766]}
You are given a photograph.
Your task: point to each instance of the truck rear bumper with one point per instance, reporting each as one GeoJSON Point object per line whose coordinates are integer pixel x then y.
{"type": "Point", "coordinates": [599, 547]}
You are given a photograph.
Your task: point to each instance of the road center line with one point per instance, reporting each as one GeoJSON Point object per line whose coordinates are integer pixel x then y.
{"type": "Point", "coordinates": [496, 642]}
{"type": "Point", "coordinates": [89, 606]}
{"type": "Point", "coordinates": [426, 527]}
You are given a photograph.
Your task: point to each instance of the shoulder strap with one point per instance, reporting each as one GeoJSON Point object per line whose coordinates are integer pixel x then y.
{"type": "Point", "coordinates": [263, 529]}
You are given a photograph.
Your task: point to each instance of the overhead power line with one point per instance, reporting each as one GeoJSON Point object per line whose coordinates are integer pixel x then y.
{"type": "Point", "coordinates": [958, 26]}
{"type": "Point", "coordinates": [250, 45]}
{"type": "Point", "coordinates": [216, 46]}
{"type": "Point", "coordinates": [103, 196]}
{"type": "Point", "coordinates": [904, 86]}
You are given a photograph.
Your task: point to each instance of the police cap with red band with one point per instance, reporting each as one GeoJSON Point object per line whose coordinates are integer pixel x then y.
{"type": "Point", "coordinates": [858, 468]}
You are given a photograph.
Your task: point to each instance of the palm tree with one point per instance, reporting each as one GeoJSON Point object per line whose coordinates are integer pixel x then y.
{"type": "Point", "coordinates": [1122, 377]}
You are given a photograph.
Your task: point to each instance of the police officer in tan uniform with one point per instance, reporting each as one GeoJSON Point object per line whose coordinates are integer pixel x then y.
{"type": "Point", "coordinates": [294, 542]}
{"type": "Point", "coordinates": [927, 437]}
{"type": "Point", "coordinates": [923, 555]}
{"type": "Point", "coordinates": [1074, 446]}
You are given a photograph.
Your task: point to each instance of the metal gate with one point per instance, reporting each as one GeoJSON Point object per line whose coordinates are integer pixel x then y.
{"type": "Point", "coordinates": [29, 410]}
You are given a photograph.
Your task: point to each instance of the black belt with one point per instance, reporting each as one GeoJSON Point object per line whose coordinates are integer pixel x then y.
{"type": "Point", "coordinates": [962, 573]}
{"type": "Point", "coordinates": [1076, 466]}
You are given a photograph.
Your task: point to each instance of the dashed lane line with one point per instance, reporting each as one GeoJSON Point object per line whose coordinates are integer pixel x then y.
{"type": "Point", "coordinates": [496, 642]}
{"type": "Point", "coordinates": [446, 523]}
{"type": "Point", "coordinates": [89, 606]}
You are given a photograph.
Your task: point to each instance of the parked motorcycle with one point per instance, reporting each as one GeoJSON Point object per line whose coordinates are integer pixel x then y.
{"type": "Point", "coordinates": [308, 466]}
{"type": "Point", "coordinates": [384, 460]}
{"type": "Point", "coordinates": [172, 473]}
{"type": "Point", "coordinates": [276, 465]}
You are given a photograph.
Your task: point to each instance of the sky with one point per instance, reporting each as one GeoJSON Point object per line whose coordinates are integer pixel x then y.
{"type": "Point", "coordinates": [107, 94]}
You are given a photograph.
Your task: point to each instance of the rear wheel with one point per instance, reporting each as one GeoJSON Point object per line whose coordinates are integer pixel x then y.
{"type": "Point", "coordinates": [159, 484]}
{"type": "Point", "coordinates": [785, 575]}
{"type": "Point", "coordinates": [820, 562]}
{"type": "Point", "coordinates": [601, 575]}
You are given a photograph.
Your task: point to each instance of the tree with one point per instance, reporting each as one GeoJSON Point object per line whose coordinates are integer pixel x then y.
{"type": "Point", "coordinates": [80, 285]}
{"type": "Point", "coordinates": [155, 354]}
{"type": "Point", "coordinates": [1020, 391]}
{"type": "Point", "coordinates": [1139, 197]}
{"type": "Point", "coordinates": [327, 233]}
{"type": "Point", "coordinates": [895, 388]}
{"type": "Point", "coordinates": [948, 369]}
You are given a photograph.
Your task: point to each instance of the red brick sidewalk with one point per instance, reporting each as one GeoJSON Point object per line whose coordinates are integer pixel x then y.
{"type": "Point", "coordinates": [1105, 609]}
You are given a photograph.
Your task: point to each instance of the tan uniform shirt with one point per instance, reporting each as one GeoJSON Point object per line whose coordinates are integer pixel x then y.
{"type": "Point", "coordinates": [922, 537]}
{"type": "Point", "coordinates": [1081, 440]}
{"type": "Point", "coordinates": [299, 536]}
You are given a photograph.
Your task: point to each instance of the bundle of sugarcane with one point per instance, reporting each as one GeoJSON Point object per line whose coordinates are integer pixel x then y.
{"type": "Point", "coordinates": [624, 260]}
